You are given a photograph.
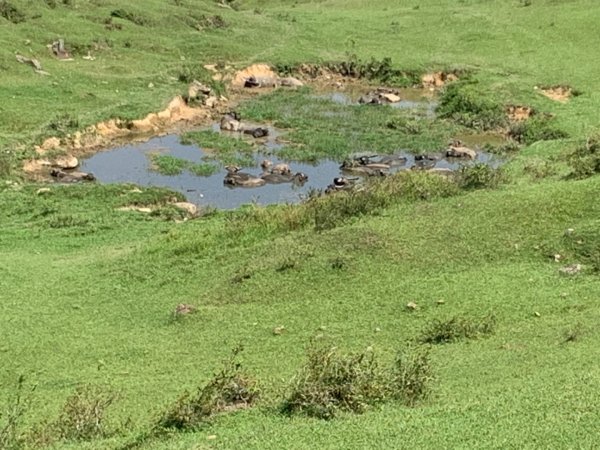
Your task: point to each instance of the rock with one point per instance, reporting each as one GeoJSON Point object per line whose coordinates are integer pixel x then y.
{"type": "Point", "coordinates": [278, 330]}
{"type": "Point", "coordinates": [189, 208]}
{"type": "Point", "coordinates": [184, 309]}
{"type": "Point", "coordinates": [211, 102]}
{"type": "Point", "coordinates": [65, 162]}
{"type": "Point", "coordinates": [197, 89]}
{"type": "Point", "coordinates": [135, 208]}
{"type": "Point", "coordinates": [260, 75]}
{"type": "Point", "coordinates": [461, 152]}
{"type": "Point", "coordinates": [37, 66]}
{"type": "Point", "coordinates": [390, 98]}
{"type": "Point", "coordinates": [412, 306]}
{"type": "Point", "coordinates": [43, 191]}
{"type": "Point", "coordinates": [537, 314]}
{"type": "Point", "coordinates": [58, 48]}
{"type": "Point", "coordinates": [440, 301]}
{"type": "Point", "coordinates": [572, 269]}
{"type": "Point", "coordinates": [290, 82]}
{"type": "Point", "coordinates": [51, 143]}
{"type": "Point", "coordinates": [229, 122]}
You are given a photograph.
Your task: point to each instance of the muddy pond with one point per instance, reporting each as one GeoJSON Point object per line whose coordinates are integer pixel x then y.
{"type": "Point", "coordinates": [133, 164]}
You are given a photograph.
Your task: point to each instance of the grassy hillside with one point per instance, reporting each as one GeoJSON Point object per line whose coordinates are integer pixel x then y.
{"type": "Point", "coordinates": [87, 291]}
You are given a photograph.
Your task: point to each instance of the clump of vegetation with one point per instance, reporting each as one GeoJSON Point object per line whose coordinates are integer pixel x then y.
{"type": "Point", "coordinates": [375, 70]}
{"type": "Point", "coordinates": [133, 17]}
{"type": "Point", "coordinates": [83, 416]}
{"type": "Point", "coordinates": [478, 176]}
{"type": "Point", "coordinates": [67, 221]}
{"type": "Point", "coordinates": [12, 415]}
{"type": "Point", "coordinates": [574, 333]}
{"type": "Point", "coordinates": [585, 160]}
{"type": "Point", "coordinates": [540, 168]}
{"type": "Point", "coordinates": [62, 125]}
{"type": "Point", "coordinates": [168, 165]}
{"type": "Point", "coordinates": [462, 103]}
{"type": "Point", "coordinates": [11, 13]}
{"type": "Point", "coordinates": [457, 328]}
{"type": "Point", "coordinates": [331, 382]}
{"type": "Point", "coordinates": [231, 388]}
{"type": "Point", "coordinates": [202, 22]}
{"type": "Point", "coordinates": [406, 125]}
{"type": "Point", "coordinates": [203, 169]}
{"type": "Point", "coordinates": [149, 197]}
{"type": "Point", "coordinates": [412, 375]}
{"type": "Point", "coordinates": [581, 245]}
{"type": "Point", "coordinates": [534, 129]}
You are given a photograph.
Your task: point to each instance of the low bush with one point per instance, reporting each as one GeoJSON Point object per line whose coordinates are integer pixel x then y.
{"type": "Point", "coordinates": [11, 13]}
{"type": "Point", "coordinates": [478, 176]}
{"type": "Point", "coordinates": [12, 415]}
{"type": "Point", "coordinates": [462, 103]}
{"type": "Point", "coordinates": [534, 129]}
{"type": "Point", "coordinates": [412, 375]}
{"type": "Point", "coordinates": [231, 388]}
{"type": "Point", "coordinates": [585, 160]}
{"type": "Point", "coordinates": [331, 382]}
{"type": "Point", "coordinates": [457, 328]}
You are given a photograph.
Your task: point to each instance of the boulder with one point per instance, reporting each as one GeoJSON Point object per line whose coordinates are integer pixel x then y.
{"type": "Point", "coordinates": [261, 75]}
{"type": "Point", "coordinates": [65, 162]}
{"type": "Point", "coordinates": [190, 209]}
{"type": "Point", "coordinates": [290, 82]}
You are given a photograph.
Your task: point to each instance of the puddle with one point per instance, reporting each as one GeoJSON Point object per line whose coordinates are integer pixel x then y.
{"type": "Point", "coordinates": [132, 164]}
{"type": "Point", "coordinates": [416, 99]}
{"type": "Point", "coordinates": [479, 141]}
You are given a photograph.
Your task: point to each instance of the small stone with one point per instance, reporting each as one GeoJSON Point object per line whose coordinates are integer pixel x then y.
{"type": "Point", "coordinates": [572, 269]}
{"type": "Point", "coordinates": [537, 314]}
{"type": "Point", "coordinates": [557, 258]}
{"type": "Point", "coordinates": [564, 295]}
{"type": "Point", "coordinates": [377, 330]}
{"type": "Point", "coordinates": [441, 301]}
{"type": "Point", "coordinates": [189, 208]}
{"type": "Point", "coordinates": [412, 306]}
{"type": "Point", "coordinates": [211, 437]}
{"type": "Point", "coordinates": [569, 231]}
{"type": "Point", "coordinates": [150, 85]}
{"type": "Point", "coordinates": [184, 309]}
{"type": "Point", "coordinates": [391, 98]}
{"type": "Point", "coordinates": [43, 191]}
{"type": "Point", "coordinates": [278, 330]}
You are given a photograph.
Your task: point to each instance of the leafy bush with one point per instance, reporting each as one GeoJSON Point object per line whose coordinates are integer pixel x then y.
{"type": "Point", "coordinates": [457, 328]}
{"type": "Point", "coordinates": [478, 176]}
{"type": "Point", "coordinates": [133, 17]}
{"type": "Point", "coordinates": [412, 375]}
{"type": "Point", "coordinates": [585, 160]}
{"type": "Point", "coordinates": [534, 129]}
{"type": "Point", "coordinates": [12, 415]}
{"type": "Point", "coordinates": [231, 388]}
{"type": "Point", "coordinates": [83, 416]}
{"type": "Point", "coordinates": [462, 103]}
{"type": "Point", "coordinates": [168, 165]}
{"type": "Point", "coordinates": [10, 12]}
{"type": "Point", "coordinates": [375, 70]}
{"type": "Point", "coordinates": [331, 382]}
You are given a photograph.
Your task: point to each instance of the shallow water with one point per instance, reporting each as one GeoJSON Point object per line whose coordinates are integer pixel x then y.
{"type": "Point", "coordinates": [132, 164]}
{"type": "Point", "coordinates": [419, 100]}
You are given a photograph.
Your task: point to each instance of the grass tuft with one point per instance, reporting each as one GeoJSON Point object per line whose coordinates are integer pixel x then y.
{"type": "Point", "coordinates": [457, 328]}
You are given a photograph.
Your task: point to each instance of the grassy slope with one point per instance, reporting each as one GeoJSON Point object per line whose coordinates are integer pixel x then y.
{"type": "Point", "coordinates": [91, 302]}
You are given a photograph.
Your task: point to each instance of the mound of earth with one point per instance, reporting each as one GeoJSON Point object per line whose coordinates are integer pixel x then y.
{"type": "Point", "coordinates": [519, 113]}
{"type": "Point", "coordinates": [558, 93]}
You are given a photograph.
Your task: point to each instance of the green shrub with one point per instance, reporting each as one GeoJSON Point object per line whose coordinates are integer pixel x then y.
{"type": "Point", "coordinates": [168, 165]}
{"type": "Point", "coordinates": [230, 388]}
{"type": "Point", "coordinates": [585, 160]}
{"type": "Point", "coordinates": [478, 176]}
{"type": "Point", "coordinates": [457, 328]}
{"type": "Point", "coordinates": [534, 129]}
{"type": "Point", "coordinates": [11, 13]}
{"type": "Point", "coordinates": [412, 375]}
{"type": "Point", "coordinates": [462, 103]}
{"type": "Point", "coordinates": [83, 416]}
{"type": "Point", "coordinates": [12, 415]}
{"type": "Point", "coordinates": [331, 382]}
{"type": "Point", "coordinates": [375, 70]}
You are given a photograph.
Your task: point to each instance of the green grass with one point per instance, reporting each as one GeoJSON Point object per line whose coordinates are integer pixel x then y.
{"type": "Point", "coordinates": [171, 165]}
{"type": "Point", "coordinates": [87, 291]}
{"type": "Point", "coordinates": [228, 149]}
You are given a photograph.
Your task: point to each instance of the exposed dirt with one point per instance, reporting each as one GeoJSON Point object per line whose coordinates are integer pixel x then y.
{"type": "Point", "coordinates": [436, 80]}
{"type": "Point", "coordinates": [557, 93]}
{"type": "Point", "coordinates": [261, 72]}
{"type": "Point", "coordinates": [519, 113]}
